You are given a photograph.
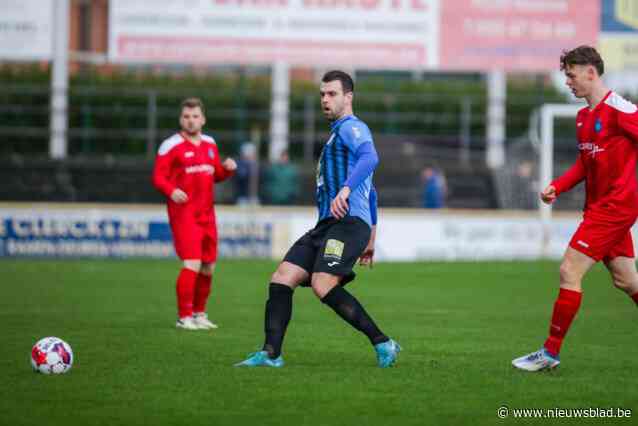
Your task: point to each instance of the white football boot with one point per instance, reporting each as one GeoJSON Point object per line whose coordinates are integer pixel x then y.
{"type": "Point", "coordinates": [187, 323]}
{"type": "Point", "coordinates": [536, 361]}
{"type": "Point", "coordinates": [202, 321]}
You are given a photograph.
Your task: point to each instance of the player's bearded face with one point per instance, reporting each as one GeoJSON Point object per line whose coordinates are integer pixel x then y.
{"type": "Point", "coordinates": [333, 101]}
{"type": "Point", "coordinates": [579, 79]}
{"type": "Point", "coordinates": [192, 120]}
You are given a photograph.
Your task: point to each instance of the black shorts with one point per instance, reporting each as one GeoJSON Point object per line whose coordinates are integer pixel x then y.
{"type": "Point", "coordinates": [332, 246]}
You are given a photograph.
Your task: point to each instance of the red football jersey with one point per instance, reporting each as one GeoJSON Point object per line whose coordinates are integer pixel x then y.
{"type": "Point", "coordinates": [608, 150]}
{"type": "Point", "coordinates": [192, 168]}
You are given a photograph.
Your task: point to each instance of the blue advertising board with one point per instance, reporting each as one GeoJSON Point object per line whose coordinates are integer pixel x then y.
{"type": "Point", "coordinates": [107, 233]}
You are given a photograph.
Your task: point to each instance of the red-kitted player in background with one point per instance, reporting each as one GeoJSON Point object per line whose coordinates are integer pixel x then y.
{"type": "Point", "coordinates": [187, 167]}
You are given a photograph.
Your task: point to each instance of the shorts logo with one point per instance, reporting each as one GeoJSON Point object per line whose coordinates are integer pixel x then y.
{"type": "Point", "coordinates": [582, 243]}
{"type": "Point", "coordinates": [334, 249]}
{"type": "Point", "coordinates": [331, 264]}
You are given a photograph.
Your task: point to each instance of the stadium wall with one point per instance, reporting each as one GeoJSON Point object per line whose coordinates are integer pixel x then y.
{"type": "Point", "coordinates": [117, 230]}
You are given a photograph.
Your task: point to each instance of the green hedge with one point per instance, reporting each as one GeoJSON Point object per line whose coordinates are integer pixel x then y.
{"type": "Point", "coordinates": [104, 107]}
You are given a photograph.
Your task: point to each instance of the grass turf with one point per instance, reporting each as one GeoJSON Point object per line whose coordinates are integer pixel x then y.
{"type": "Point", "coordinates": [460, 324]}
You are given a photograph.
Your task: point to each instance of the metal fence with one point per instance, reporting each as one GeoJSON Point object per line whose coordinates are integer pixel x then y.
{"type": "Point", "coordinates": [131, 121]}
{"type": "Point", "coordinates": [411, 131]}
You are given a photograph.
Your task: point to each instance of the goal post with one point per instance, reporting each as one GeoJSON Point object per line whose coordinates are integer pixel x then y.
{"type": "Point", "coordinates": [548, 114]}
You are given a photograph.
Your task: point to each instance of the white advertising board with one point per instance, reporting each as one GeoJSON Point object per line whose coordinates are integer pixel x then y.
{"type": "Point", "coordinates": [365, 33]}
{"type": "Point", "coordinates": [26, 30]}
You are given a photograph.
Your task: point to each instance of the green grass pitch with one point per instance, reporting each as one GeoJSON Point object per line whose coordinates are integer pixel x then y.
{"type": "Point", "coordinates": [460, 324]}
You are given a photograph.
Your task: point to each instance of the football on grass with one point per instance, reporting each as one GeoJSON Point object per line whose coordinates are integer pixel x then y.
{"type": "Point", "coordinates": [51, 355]}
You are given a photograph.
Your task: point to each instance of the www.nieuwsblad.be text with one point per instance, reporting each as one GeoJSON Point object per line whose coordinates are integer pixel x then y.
{"type": "Point", "coordinates": [504, 412]}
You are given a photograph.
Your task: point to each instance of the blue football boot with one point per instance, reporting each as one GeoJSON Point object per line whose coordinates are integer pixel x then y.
{"type": "Point", "coordinates": [387, 353]}
{"type": "Point", "coordinates": [261, 359]}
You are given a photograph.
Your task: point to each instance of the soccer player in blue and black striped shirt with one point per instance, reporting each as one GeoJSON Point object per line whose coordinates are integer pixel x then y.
{"type": "Point", "coordinates": [323, 258]}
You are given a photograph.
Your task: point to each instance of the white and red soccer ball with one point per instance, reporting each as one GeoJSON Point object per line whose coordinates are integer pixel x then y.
{"type": "Point", "coordinates": [51, 356]}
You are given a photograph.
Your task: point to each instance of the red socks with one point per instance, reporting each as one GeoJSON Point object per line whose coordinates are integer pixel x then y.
{"type": "Point", "coordinates": [635, 297]}
{"type": "Point", "coordinates": [185, 292]}
{"type": "Point", "coordinates": [192, 290]}
{"type": "Point", "coordinates": [202, 291]}
{"type": "Point", "coordinates": [565, 310]}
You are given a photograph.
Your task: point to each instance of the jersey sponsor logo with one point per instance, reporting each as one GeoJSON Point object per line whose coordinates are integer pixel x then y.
{"type": "Point", "coordinates": [201, 168]}
{"type": "Point", "coordinates": [334, 249]}
{"type": "Point", "coordinates": [189, 154]}
{"type": "Point", "coordinates": [582, 243]}
{"type": "Point", "coordinates": [591, 147]}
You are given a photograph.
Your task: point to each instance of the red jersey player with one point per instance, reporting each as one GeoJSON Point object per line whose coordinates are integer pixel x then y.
{"type": "Point", "coordinates": [186, 170]}
{"type": "Point", "coordinates": [607, 132]}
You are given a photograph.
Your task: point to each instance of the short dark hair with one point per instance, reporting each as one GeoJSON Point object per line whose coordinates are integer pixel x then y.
{"type": "Point", "coordinates": [346, 81]}
{"type": "Point", "coordinates": [193, 103]}
{"type": "Point", "coordinates": [582, 55]}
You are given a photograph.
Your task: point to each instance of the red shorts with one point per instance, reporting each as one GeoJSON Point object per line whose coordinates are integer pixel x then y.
{"type": "Point", "coordinates": [195, 241]}
{"type": "Point", "coordinates": [603, 240]}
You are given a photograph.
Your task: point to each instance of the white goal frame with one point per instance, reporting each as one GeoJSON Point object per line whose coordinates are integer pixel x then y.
{"type": "Point", "coordinates": [548, 113]}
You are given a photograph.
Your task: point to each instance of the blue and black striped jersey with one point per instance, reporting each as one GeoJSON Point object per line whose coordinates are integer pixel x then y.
{"type": "Point", "coordinates": [336, 164]}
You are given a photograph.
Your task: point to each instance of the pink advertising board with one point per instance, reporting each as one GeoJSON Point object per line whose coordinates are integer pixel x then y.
{"type": "Point", "coordinates": [525, 35]}
{"type": "Point", "coordinates": [476, 35]}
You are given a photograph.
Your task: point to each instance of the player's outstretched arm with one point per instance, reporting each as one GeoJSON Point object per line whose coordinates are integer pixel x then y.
{"type": "Point", "coordinates": [367, 257]}
{"type": "Point", "coordinates": [224, 170]}
{"type": "Point", "coordinates": [572, 177]}
{"type": "Point", "coordinates": [367, 160]}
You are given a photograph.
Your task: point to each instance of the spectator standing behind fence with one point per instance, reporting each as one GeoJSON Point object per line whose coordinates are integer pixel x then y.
{"type": "Point", "coordinates": [434, 188]}
{"type": "Point", "coordinates": [525, 187]}
{"type": "Point", "coordinates": [281, 181]}
{"type": "Point", "coordinates": [247, 169]}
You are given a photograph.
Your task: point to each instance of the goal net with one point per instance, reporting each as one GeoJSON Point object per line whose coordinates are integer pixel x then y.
{"type": "Point", "coordinates": [533, 160]}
